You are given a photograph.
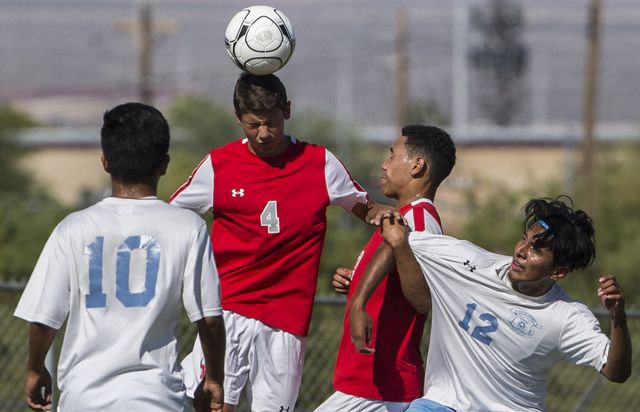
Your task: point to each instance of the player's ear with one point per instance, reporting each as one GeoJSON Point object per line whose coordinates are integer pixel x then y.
{"type": "Point", "coordinates": [287, 111]}
{"type": "Point", "coordinates": [105, 166]}
{"type": "Point", "coordinates": [238, 118]}
{"type": "Point", "coordinates": [560, 272]}
{"type": "Point", "coordinates": [419, 167]}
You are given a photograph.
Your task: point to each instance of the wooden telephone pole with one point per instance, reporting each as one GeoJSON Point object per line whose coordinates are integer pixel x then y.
{"type": "Point", "coordinates": [590, 104]}
{"type": "Point", "coordinates": [144, 27]}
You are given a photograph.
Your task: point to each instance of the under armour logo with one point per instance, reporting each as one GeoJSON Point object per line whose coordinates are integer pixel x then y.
{"type": "Point", "coordinates": [282, 409]}
{"type": "Point", "coordinates": [471, 267]}
{"type": "Point", "coordinates": [235, 192]}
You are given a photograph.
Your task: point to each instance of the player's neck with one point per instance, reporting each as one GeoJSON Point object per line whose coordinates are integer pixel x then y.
{"type": "Point", "coordinates": [411, 196]}
{"type": "Point", "coordinates": [133, 190]}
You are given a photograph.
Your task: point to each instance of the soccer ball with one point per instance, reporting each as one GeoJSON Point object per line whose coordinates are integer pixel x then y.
{"type": "Point", "coordinates": [260, 40]}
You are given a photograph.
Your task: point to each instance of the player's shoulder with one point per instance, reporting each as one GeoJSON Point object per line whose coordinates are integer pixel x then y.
{"type": "Point", "coordinates": [231, 147]}
{"type": "Point", "coordinates": [448, 247]}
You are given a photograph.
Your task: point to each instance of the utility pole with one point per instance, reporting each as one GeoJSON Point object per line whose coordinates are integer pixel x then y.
{"type": "Point", "coordinates": [401, 68]}
{"type": "Point", "coordinates": [144, 27]}
{"type": "Point", "coordinates": [460, 65]}
{"type": "Point", "coordinates": [590, 103]}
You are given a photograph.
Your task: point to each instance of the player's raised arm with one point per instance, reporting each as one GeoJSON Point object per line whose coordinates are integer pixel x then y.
{"type": "Point", "coordinates": [414, 284]}
{"type": "Point", "coordinates": [38, 377]}
{"type": "Point", "coordinates": [618, 366]}
{"type": "Point", "coordinates": [209, 396]}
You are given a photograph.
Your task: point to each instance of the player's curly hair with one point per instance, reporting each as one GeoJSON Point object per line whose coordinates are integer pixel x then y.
{"type": "Point", "coordinates": [435, 145]}
{"type": "Point", "coordinates": [135, 141]}
{"type": "Point", "coordinates": [568, 233]}
{"type": "Point", "coordinates": [258, 93]}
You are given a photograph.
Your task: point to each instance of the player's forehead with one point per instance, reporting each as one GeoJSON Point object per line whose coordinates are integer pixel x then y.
{"type": "Point", "coordinates": [398, 145]}
{"type": "Point", "coordinates": [535, 228]}
{"type": "Point", "coordinates": [266, 116]}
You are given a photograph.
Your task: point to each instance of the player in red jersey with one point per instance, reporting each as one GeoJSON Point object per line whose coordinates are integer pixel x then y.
{"type": "Point", "coordinates": [268, 193]}
{"type": "Point", "coordinates": [389, 377]}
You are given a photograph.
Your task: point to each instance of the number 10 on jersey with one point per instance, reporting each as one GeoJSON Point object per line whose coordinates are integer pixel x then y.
{"type": "Point", "coordinates": [96, 298]}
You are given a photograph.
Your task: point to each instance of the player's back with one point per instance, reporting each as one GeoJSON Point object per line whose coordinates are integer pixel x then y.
{"type": "Point", "coordinates": [129, 261]}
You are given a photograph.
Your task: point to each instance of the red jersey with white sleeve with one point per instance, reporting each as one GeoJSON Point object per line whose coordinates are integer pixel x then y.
{"type": "Point", "coordinates": [395, 372]}
{"type": "Point", "coordinates": [269, 225]}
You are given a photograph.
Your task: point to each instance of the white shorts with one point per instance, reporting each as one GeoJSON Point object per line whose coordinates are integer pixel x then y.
{"type": "Point", "coordinates": [269, 358]}
{"type": "Point", "coordinates": [343, 402]}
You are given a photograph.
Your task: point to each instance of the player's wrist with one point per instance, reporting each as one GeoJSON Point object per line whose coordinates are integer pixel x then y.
{"type": "Point", "coordinates": [357, 304]}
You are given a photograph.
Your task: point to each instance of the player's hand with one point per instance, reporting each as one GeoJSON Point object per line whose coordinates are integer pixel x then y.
{"type": "Point", "coordinates": [394, 231]}
{"type": "Point", "coordinates": [361, 330]}
{"type": "Point", "coordinates": [612, 296]}
{"type": "Point", "coordinates": [342, 280]}
{"type": "Point", "coordinates": [209, 396]}
{"type": "Point", "coordinates": [33, 390]}
{"type": "Point", "coordinates": [387, 212]}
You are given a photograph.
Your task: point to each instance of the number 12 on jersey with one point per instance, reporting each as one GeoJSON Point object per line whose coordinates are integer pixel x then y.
{"type": "Point", "coordinates": [479, 332]}
{"type": "Point", "coordinates": [269, 217]}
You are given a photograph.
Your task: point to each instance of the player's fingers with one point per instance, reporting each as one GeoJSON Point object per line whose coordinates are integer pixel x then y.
{"type": "Point", "coordinates": [606, 278]}
{"type": "Point", "coordinates": [345, 273]}
{"type": "Point", "coordinates": [611, 289]}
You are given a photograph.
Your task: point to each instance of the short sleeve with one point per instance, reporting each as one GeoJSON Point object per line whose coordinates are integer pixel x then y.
{"type": "Point", "coordinates": [420, 220]}
{"type": "Point", "coordinates": [197, 193]}
{"type": "Point", "coordinates": [343, 190]}
{"type": "Point", "coordinates": [201, 289]}
{"type": "Point", "coordinates": [46, 299]}
{"type": "Point", "coordinates": [582, 340]}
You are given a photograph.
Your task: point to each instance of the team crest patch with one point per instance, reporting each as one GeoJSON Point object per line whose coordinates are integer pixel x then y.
{"type": "Point", "coordinates": [523, 323]}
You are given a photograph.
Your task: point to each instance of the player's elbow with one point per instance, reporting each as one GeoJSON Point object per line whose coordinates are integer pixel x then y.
{"type": "Point", "coordinates": [620, 375]}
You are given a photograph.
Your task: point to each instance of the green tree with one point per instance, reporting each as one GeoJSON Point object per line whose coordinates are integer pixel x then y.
{"type": "Point", "coordinates": [201, 124]}
{"type": "Point", "coordinates": [27, 213]}
{"type": "Point", "coordinates": [13, 179]}
{"type": "Point", "coordinates": [198, 125]}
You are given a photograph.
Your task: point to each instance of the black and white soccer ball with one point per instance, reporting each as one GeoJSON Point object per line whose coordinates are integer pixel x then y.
{"type": "Point", "coordinates": [260, 39]}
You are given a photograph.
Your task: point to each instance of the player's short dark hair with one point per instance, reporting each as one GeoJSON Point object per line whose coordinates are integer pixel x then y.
{"type": "Point", "coordinates": [435, 145]}
{"type": "Point", "coordinates": [259, 93]}
{"type": "Point", "coordinates": [135, 141]}
{"type": "Point", "coordinates": [568, 233]}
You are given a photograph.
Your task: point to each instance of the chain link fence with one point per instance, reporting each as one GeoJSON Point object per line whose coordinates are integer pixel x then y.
{"type": "Point", "coordinates": [570, 388]}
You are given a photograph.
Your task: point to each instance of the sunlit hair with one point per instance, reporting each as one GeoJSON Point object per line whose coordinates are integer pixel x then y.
{"type": "Point", "coordinates": [258, 93]}
{"type": "Point", "coordinates": [570, 234]}
{"type": "Point", "coordinates": [135, 141]}
{"type": "Point", "coordinates": [435, 146]}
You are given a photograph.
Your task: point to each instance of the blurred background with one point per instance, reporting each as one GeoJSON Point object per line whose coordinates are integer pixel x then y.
{"type": "Point", "coordinates": [540, 98]}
